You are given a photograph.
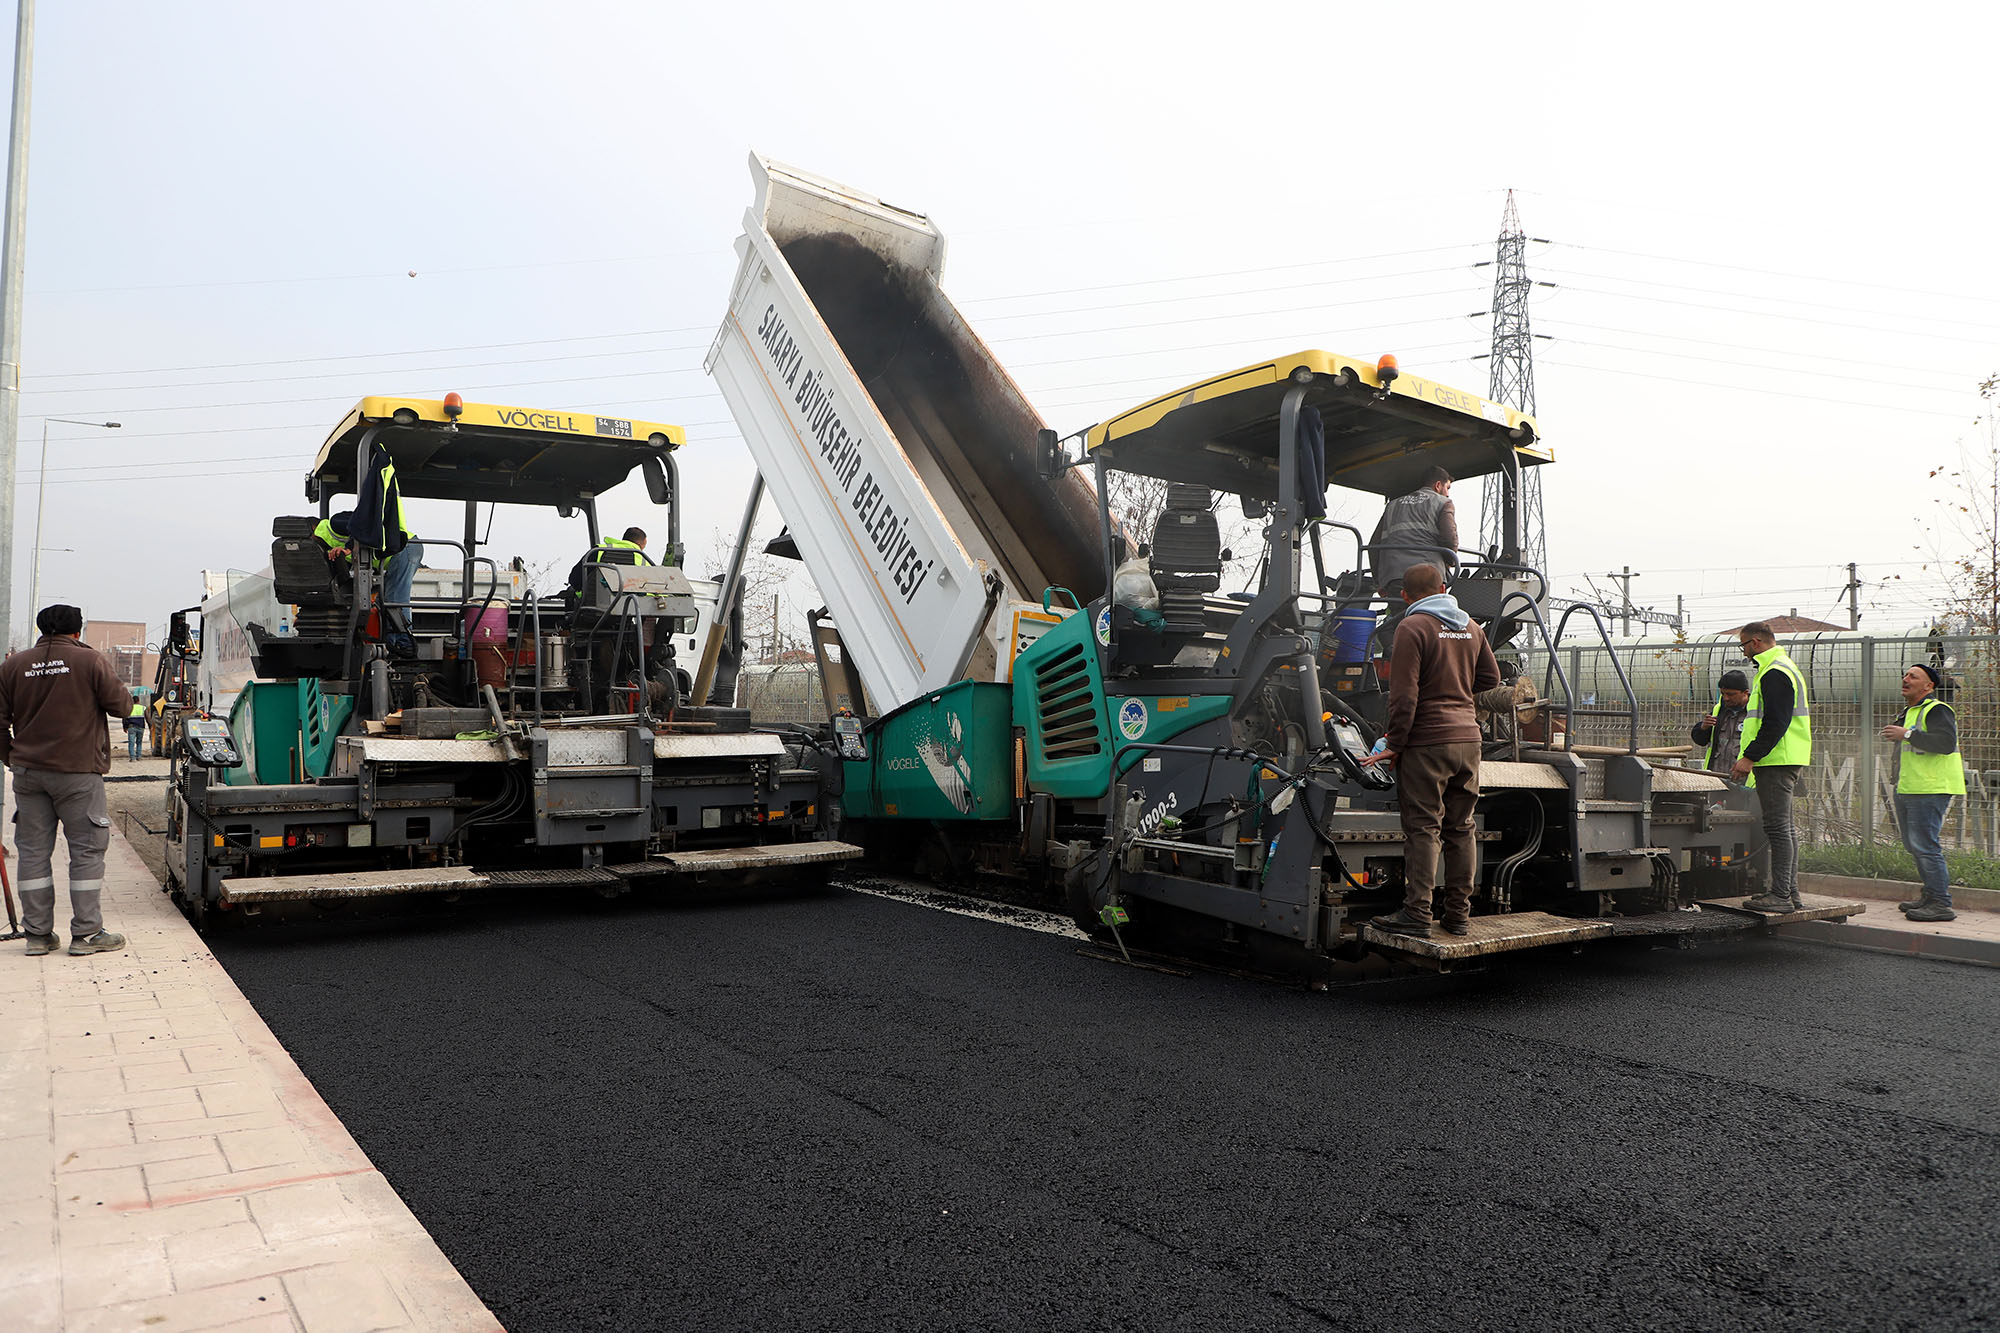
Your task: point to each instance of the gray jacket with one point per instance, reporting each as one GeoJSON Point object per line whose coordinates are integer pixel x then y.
{"type": "Point", "coordinates": [1423, 518]}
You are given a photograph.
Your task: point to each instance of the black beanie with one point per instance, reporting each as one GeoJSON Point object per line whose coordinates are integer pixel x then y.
{"type": "Point", "coordinates": [1937, 677]}
{"type": "Point", "coordinates": [60, 619]}
{"type": "Point", "coordinates": [1733, 680]}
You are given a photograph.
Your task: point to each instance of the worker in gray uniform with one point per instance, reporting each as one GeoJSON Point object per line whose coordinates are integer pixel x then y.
{"type": "Point", "coordinates": [54, 699]}
{"type": "Point", "coordinates": [1420, 528]}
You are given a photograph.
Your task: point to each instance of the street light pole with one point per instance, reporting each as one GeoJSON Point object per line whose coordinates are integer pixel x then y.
{"type": "Point", "coordinates": [42, 504]}
{"type": "Point", "coordinates": [13, 247]}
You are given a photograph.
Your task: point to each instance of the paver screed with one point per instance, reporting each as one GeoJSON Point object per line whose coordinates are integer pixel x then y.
{"type": "Point", "coordinates": [165, 1166]}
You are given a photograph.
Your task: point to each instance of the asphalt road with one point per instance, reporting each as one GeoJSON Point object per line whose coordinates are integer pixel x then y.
{"type": "Point", "coordinates": [839, 1111]}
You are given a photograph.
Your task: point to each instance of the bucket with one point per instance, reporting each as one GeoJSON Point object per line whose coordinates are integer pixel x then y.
{"type": "Point", "coordinates": [1352, 628]}
{"type": "Point", "coordinates": [488, 626]}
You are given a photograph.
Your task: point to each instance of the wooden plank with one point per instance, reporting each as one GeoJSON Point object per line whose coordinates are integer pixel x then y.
{"type": "Point", "coordinates": [1816, 908]}
{"type": "Point", "coordinates": [1502, 933]}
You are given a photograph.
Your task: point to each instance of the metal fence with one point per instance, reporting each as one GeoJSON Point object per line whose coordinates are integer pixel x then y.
{"type": "Point", "coordinates": [789, 692]}
{"type": "Point", "coordinates": [1854, 682]}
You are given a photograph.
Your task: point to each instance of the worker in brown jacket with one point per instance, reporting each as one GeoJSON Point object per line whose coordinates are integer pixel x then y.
{"type": "Point", "coordinates": [1439, 661]}
{"type": "Point", "coordinates": [54, 698]}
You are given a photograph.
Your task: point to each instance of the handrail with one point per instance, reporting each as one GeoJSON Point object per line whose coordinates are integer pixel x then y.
{"type": "Point", "coordinates": [1553, 643]}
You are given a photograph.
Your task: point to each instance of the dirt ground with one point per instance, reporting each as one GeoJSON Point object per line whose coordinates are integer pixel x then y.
{"type": "Point", "coordinates": [136, 792]}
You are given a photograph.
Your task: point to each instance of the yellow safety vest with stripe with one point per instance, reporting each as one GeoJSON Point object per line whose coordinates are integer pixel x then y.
{"type": "Point", "coordinates": [1924, 774]}
{"type": "Point", "coordinates": [138, 709]}
{"type": "Point", "coordinates": [1795, 746]}
{"type": "Point", "coordinates": [620, 544]}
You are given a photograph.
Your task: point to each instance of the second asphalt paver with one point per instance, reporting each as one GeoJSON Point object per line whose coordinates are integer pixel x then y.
{"type": "Point", "coordinates": [840, 1110]}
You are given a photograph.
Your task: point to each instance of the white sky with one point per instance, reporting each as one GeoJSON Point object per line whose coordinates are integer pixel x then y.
{"type": "Point", "coordinates": [1771, 240]}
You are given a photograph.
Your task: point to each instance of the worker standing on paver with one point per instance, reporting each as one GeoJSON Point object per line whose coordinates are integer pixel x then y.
{"type": "Point", "coordinates": [1777, 746]}
{"type": "Point", "coordinates": [1928, 774]}
{"type": "Point", "coordinates": [1439, 662]}
{"type": "Point", "coordinates": [1420, 528]}
{"type": "Point", "coordinates": [1721, 731]}
{"type": "Point", "coordinates": [54, 698]}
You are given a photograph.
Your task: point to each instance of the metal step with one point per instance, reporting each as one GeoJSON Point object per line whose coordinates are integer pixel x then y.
{"type": "Point", "coordinates": [775, 856]}
{"type": "Point", "coordinates": [561, 878]}
{"type": "Point", "coordinates": [354, 884]}
{"type": "Point", "coordinates": [1502, 933]}
{"type": "Point", "coordinates": [1816, 909]}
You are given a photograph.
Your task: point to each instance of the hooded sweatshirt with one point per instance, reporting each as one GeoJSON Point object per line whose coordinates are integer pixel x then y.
{"type": "Point", "coordinates": [1440, 659]}
{"type": "Point", "coordinates": [54, 698]}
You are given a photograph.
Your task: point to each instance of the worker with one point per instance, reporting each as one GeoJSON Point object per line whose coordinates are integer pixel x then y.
{"type": "Point", "coordinates": [1721, 730]}
{"type": "Point", "coordinates": [1418, 528]}
{"type": "Point", "coordinates": [332, 536]}
{"type": "Point", "coordinates": [54, 698]}
{"type": "Point", "coordinates": [1928, 775]}
{"type": "Point", "coordinates": [627, 550]}
{"type": "Point", "coordinates": [1777, 746]}
{"type": "Point", "coordinates": [1439, 661]}
{"type": "Point", "coordinates": [379, 523]}
{"type": "Point", "coordinates": [135, 729]}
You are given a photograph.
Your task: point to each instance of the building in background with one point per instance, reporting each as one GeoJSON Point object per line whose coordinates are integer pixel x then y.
{"type": "Point", "coordinates": [124, 642]}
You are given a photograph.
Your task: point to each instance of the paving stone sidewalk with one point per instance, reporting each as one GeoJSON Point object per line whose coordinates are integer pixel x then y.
{"type": "Point", "coordinates": [164, 1165]}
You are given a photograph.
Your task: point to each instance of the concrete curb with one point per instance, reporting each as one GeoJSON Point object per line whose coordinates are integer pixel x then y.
{"type": "Point", "coordinates": [1892, 890]}
{"type": "Point", "coordinates": [1908, 943]}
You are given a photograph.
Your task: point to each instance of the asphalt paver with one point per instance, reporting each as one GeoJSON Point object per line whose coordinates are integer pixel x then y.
{"type": "Point", "coordinates": [841, 1111]}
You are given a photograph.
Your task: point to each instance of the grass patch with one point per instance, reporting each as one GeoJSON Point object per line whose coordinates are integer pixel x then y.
{"type": "Point", "coordinates": [1888, 861]}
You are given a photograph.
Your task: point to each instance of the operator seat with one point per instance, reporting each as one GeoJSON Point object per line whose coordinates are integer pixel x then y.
{"type": "Point", "coordinates": [1187, 556]}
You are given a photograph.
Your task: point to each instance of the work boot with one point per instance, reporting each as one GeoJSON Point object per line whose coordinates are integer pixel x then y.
{"type": "Point", "coordinates": [1456, 927]}
{"type": "Point", "coordinates": [1401, 922]}
{"type": "Point", "coordinates": [1913, 904]}
{"type": "Point", "coordinates": [1773, 903]}
{"type": "Point", "coordinates": [102, 942]}
{"type": "Point", "coordinates": [41, 944]}
{"type": "Point", "coordinates": [1930, 912]}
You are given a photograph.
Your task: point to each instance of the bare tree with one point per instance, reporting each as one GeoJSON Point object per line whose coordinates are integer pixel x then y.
{"type": "Point", "coordinates": [1962, 535]}
{"type": "Point", "coordinates": [776, 597]}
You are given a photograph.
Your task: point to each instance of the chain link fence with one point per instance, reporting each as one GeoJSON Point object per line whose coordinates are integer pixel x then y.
{"type": "Point", "coordinates": [1855, 686]}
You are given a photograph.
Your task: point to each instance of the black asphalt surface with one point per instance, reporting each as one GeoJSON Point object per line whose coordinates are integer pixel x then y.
{"type": "Point", "coordinates": [841, 1112]}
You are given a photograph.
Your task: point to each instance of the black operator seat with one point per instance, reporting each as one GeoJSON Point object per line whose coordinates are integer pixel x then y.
{"type": "Point", "coordinates": [300, 572]}
{"type": "Point", "coordinates": [1186, 556]}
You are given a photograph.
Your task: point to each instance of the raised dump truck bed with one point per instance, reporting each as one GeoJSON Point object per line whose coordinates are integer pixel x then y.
{"type": "Point", "coordinates": [899, 451]}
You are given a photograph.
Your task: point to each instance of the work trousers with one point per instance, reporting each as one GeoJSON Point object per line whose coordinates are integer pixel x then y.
{"type": "Point", "coordinates": [397, 578]}
{"type": "Point", "coordinates": [1775, 785]}
{"type": "Point", "coordinates": [1921, 819]}
{"type": "Point", "coordinates": [1436, 788]}
{"type": "Point", "coordinates": [42, 800]}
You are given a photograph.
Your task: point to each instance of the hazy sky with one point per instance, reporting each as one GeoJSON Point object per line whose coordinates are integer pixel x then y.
{"type": "Point", "coordinates": [1769, 239]}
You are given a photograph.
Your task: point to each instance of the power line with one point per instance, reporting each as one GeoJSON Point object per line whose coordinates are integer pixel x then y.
{"type": "Point", "coordinates": [1773, 393]}
{"type": "Point", "coordinates": [1772, 272]}
{"type": "Point", "coordinates": [349, 374]}
{"type": "Point", "coordinates": [1754, 365]}
{"type": "Point", "coordinates": [1771, 314]}
{"type": "Point", "coordinates": [371, 356]}
{"type": "Point", "coordinates": [1842, 307]}
{"type": "Point", "coordinates": [1230, 273]}
{"type": "Point", "coordinates": [1961, 376]}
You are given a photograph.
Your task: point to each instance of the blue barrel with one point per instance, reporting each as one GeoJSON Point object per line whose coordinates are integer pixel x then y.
{"type": "Point", "coordinates": [1352, 628]}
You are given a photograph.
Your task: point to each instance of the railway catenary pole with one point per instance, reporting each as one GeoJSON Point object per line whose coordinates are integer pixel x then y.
{"type": "Point", "coordinates": [13, 263]}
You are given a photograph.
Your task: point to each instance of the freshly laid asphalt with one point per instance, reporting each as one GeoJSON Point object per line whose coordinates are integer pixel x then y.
{"type": "Point", "coordinates": [837, 1111]}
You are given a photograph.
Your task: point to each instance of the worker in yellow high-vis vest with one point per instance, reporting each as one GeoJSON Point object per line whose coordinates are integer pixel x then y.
{"type": "Point", "coordinates": [1929, 772]}
{"type": "Point", "coordinates": [1777, 747]}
